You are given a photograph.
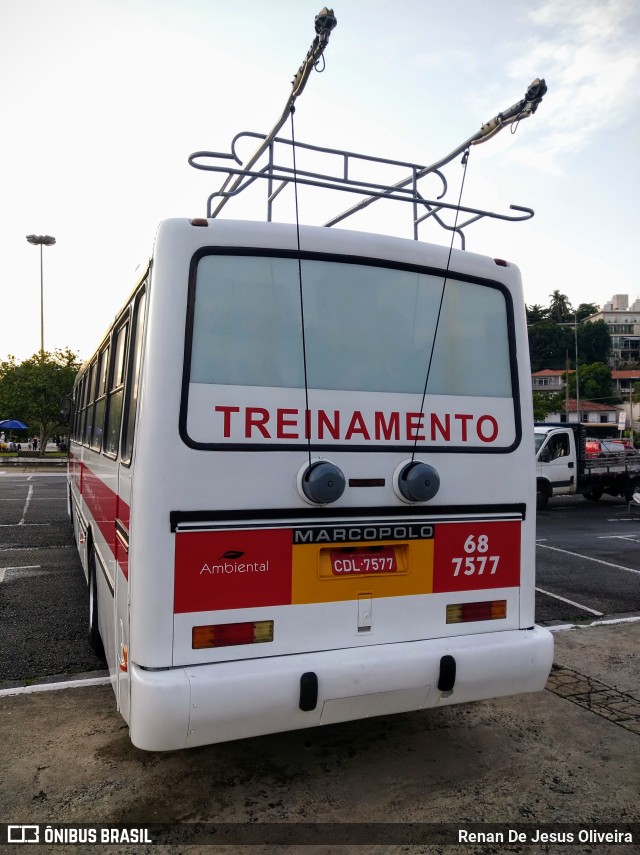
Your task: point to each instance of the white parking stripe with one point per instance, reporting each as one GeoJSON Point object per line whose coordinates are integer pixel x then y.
{"type": "Point", "coordinates": [37, 475]}
{"type": "Point", "coordinates": [55, 687]}
{"type": "Point", "coordinates": [26, 525]}
{"type": "Point", "coordinates": [571, 602]}
{"type": "Point", "coordinates": [20, 571]}
{"type": "Point", "coordinates": [26, 504]}
{"type": "Point", "coordinates": [21, 567]}
{"type": "Point", "coordinates": [565, 626]}
{"type": "Point", "coordinates": [40, 499]}
{"type": "Point", "coordinates": [589, 558]}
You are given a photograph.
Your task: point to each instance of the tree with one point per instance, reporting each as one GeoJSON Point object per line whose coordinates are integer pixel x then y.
{"type": "Point", "coordinates": [585, 310]}
{"type": "Point", "coordinates": [548, 345]}
{"type": "Point", "coordinates": [543, 404]}
{"type": "Point", "coordinates": [31, 391]}
{"type": "Point", "coordinates": [536, 313]}
{"type": "Point", "coordinates": [595, 383]}
{"type": "Point", "coordinates": [560, 309]}
{"type": "Point", "coordinates": [594, 342]}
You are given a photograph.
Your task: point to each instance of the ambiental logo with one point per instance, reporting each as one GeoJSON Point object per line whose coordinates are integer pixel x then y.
{"type": "Point", "coordinates": [228, 563]}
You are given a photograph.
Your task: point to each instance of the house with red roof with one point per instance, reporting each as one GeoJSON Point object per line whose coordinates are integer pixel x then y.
{"type": "Point", "coordinates": [549, 381]}
{"type": "Point", "coordinates": [587, 412]}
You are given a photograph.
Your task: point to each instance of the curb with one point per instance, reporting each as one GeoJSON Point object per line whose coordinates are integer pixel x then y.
{"type": "Point", "coordinates": [36, 462]}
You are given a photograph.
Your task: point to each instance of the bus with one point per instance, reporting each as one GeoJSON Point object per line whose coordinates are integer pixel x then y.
{"type": "Point", "coordinates": [301, 484]}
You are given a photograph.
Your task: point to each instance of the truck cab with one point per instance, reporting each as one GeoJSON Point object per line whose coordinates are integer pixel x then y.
{"type": "Point", "coordinates": [556, 463]}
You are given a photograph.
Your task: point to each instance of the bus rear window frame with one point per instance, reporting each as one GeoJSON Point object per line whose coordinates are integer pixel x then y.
{"type": "Point", "coordinates": [261, 252]}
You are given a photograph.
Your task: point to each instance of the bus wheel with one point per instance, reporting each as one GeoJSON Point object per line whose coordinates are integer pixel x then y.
{"type": "Point", "coordinates": [594, 495]}
{"type": "Point", "coordinates": [95, 642]}
{"type": "Point", "coordinates": [542, 496]}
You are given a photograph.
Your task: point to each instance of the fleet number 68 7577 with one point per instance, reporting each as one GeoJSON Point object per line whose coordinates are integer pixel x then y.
{"type": "Point", "coordinates": [476, 560]}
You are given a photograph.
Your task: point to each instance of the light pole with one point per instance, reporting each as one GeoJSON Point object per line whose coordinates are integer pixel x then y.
{"type": "Point", "coordinates": [41, 240]}
{"type": "Point", "coordinates": [575, 332]}
{"type": "Point", "coordinates": [575, 336]}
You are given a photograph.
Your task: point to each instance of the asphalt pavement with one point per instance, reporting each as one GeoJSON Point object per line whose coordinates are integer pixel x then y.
{"type": "Point", "coordinates": [567, 754]}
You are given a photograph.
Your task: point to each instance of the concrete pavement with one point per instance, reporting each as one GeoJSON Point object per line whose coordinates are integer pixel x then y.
{"type": "Point", "coordinates": [567, 754]}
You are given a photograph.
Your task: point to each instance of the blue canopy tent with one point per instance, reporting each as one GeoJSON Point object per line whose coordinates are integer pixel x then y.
{"type": "Point", "coordinates": [12, 424]}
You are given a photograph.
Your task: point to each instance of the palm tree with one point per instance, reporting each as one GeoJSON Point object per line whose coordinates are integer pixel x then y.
{"type": "Point", "coordinates": [560, 309]}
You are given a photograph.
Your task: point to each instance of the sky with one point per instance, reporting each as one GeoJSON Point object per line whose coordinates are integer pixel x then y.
{"type": "Point", "coordinates": [103, 101]}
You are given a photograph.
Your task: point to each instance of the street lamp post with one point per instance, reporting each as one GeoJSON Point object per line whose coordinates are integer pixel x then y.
{"type": "Point", "coordinates": [41, 240]}
{"type": "Point", "coordinates": [575, 335]}
{"type": "Point", "coordinates": [575, 332]}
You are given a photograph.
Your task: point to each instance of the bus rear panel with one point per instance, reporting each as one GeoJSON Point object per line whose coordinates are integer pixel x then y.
{"type": "Point", "coordinates": [267, 555]}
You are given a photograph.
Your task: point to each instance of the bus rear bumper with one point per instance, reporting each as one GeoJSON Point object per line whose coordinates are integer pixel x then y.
{"type": "Point", "coordinates": [204, 704]}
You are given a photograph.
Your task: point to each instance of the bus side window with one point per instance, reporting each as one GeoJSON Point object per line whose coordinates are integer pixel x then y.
{"type": "Point", "coordinates": [116, 393]}
{"type": "Point", "coordinates": [88, 413]}
{"type": "Point", "coordinates": [85, 404]}
{"type": "Point", "coordinates": [133, 378]}
{"type": "Point", "coordinates": [77, 409]}
{"type": "Point", "coordinates": [101, 400]}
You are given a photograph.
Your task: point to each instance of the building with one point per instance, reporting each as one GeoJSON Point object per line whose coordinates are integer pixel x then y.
{"type": "Point", "coordinates": [549, 381]}
{"type": "Point", "coordinates": [623, 322]}
{"type": "Point", "coordinates": [625, 380]}
{"type": "Point", "coordinates": [591, 413]}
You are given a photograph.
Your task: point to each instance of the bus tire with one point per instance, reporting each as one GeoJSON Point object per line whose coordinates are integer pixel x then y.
{"type": "Point", "coordinates": [542, 496]}
{"type": "Point", "coordinates": [95, 641]}
{"type": "Point", "coordinates": [594, 494]}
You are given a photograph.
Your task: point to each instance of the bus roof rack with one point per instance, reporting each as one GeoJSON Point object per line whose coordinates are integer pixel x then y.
{"type": "Point", "coordinates": [239, 174]}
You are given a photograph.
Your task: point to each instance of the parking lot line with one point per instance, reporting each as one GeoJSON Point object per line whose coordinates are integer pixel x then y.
{"type": "Point", "coordinates": [26, 525]}
{"type": "Point", "coordinates": [21, 567]}
{"type": "Point", "coordinates": [29, 476]}
{"type": "Point", "coordinates": [55, 687]}
{"type": "Point", "coordinates": [26, 505]}
{"type": "Point", "coordinates": [570, 602]}
{"type": "Point", "coordinates": [588, 558]}
{"type": "Point", "coordinates": [4, 570]}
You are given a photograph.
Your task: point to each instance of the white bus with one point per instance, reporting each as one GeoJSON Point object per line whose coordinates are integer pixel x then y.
{"type": "Point", "coordinates": [263, 557]}
{"type": "Point", "coordinates": [301, 482]}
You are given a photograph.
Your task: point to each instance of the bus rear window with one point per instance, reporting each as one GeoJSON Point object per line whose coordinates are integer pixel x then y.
{"type": "Point", "coordinates": [367, 328]}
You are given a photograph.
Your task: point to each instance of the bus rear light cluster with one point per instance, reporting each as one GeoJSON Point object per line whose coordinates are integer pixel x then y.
{"type": "Point", "coordinates": [469, 612]}
{"type": "Point", "coordinates": [231, 634]}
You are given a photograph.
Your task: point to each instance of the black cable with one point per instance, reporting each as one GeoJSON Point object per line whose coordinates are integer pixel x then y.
{"type": "Point", "coordinates": [465, 160]}
{"type": "Point", "coordinates": [304, 341]}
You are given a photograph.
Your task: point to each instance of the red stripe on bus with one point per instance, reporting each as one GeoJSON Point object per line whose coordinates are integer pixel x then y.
{"type": "Point", "coordinates": [105, 506]}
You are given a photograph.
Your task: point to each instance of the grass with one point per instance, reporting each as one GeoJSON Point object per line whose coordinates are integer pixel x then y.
{"type": "Point", "coordinates": [33, 454]}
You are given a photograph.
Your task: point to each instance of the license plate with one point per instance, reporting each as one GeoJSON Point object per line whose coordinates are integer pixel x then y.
{"type": "Point", "coordinates": [362, 561]}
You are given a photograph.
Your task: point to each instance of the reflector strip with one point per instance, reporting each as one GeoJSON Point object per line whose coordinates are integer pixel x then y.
{"type": "Point", "coordinates": [231, 634]}
{"type": "Point", "coordinates": [468, 612]}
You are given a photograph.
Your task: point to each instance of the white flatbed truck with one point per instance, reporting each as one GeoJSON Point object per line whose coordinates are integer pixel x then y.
{"type": "Point", "coordinates": [563, 467]}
